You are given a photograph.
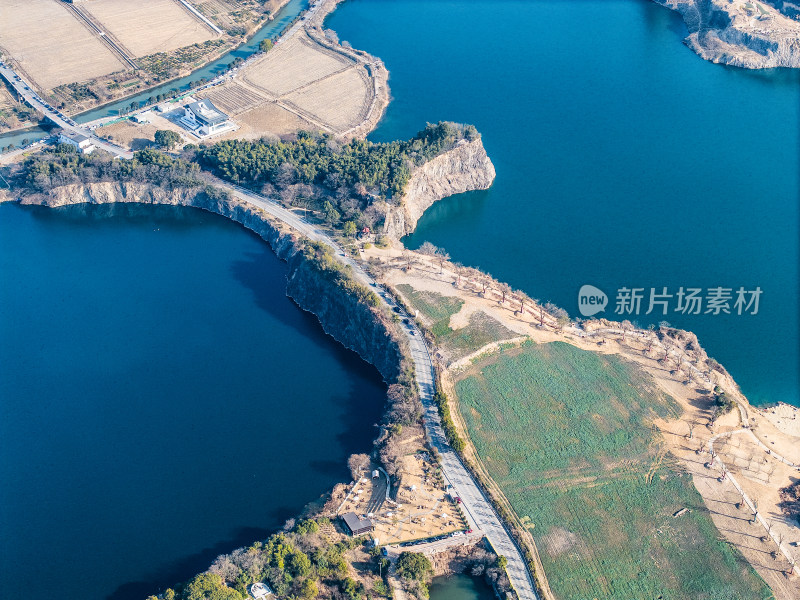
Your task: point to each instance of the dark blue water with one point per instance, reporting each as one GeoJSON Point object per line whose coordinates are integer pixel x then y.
{"type": "Point", "coordinates": [622, 158]}
{"type": "Point", "coordinates": [163, 401]}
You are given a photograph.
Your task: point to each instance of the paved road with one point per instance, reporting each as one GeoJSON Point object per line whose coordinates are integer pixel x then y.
{"type": "Point", "coordinates": [479, 511]}
{"type": "Point", "coordinates": [24, 89]}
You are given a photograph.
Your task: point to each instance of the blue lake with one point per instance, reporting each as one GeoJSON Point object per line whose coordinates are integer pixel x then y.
{"type": "Point", "coordinates": [163, 401]}
{"type": "Point", "coordinates": [623, 160]}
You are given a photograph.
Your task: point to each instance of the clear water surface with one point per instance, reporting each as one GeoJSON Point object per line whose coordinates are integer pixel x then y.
{"type": "Point", "coordinates": [163, 401]}
{"type": "Point", "coordinates": [623, 159]}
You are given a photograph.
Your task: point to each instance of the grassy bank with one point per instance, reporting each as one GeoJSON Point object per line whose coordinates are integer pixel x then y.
{"type": "Point", "coordinates": [567, 436]}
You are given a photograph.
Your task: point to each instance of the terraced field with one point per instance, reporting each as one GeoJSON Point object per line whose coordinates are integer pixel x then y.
{"type": "Point", "coordinates": [340, 100]}
{"type": "Point", "coordinates": [567, 435]}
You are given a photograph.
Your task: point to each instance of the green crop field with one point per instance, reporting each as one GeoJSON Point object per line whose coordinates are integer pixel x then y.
{"type": "Point", "coordinates": [480, 330]}
{"type": "Point", "coordinates": [567, 435]}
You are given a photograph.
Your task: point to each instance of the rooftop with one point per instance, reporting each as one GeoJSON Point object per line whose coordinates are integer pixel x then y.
{"type": "Point", "coordinates": [354, 522]}
{"type": "Point", "coordinates": [205, 111]}
{"type": "Point", "coordinates": [78, 138]}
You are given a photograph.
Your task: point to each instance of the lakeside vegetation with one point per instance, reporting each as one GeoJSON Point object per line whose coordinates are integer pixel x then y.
{"type": "Point", "coordinates": [309, 559]}
{"type": "Point", "coordinates": [567, 435]}
{"type": "Point", "coordinates": [480, 330]}
{"type": "Point", "coordinates": [62, 165]}
{"type": "Point", "coordinates": [349, 184]}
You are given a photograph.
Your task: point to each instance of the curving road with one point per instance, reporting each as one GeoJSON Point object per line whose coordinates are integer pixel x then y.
{"type": "Point", "coordinates": [25, 91]}
{"type": "Point", "coordinates": [479, 511]}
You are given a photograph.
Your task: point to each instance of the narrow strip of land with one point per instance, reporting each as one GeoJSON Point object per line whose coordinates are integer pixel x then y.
{"type": "Point", "coordinates": [480, 512]}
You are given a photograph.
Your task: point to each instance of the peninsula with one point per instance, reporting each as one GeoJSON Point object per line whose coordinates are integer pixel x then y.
{"type": "Point", "coordinates": [748, 34]}
{"type": "Point", "coordinates": [557, 459]}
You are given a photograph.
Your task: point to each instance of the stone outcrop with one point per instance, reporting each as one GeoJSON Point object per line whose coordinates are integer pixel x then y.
{"type": "Point", "coordinates": [464, 168]}
{"type": "Point", "coordinates": [741, 33]}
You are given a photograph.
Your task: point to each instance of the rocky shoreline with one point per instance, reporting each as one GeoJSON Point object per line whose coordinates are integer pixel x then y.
{"type": "Point", "coordinates": [751, 35]}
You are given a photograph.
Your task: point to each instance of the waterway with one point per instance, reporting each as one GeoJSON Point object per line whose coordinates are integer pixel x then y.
{"type": "Point", "coordinates": [219, 66]}
{"type": "Point", "coordinates": [163, 401]}
{"type": "Point", "coordinates": [623, 160]}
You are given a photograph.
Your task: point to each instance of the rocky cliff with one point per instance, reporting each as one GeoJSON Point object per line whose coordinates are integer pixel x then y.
{"type": "Point", "coordinates": [753, 35]}
{"type": "Point", "coordinates": [353, 323]}
{"type": "Point", "coordinates": [464, 168]}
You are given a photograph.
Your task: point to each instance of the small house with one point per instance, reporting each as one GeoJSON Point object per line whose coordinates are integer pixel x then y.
{"type": "Point", "coordinates": [356, 525]}
{"type": "Point", "coordinates": [143, 117]}
{"type": "Point", "coordinates": [81, 143]}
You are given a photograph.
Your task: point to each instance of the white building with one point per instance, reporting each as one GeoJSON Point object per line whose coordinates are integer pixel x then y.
{"type": "Point", "coordinates": [82, 143]}
{"type": "Point", "coordinates": [260, 591]}
{"type": "Point", "coordinates": [203, 118]}
{"type": "Point", "coordinates": [143, 117]}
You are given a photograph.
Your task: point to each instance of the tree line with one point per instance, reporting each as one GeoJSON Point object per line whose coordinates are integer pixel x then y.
{"type": "Point", "coordinates": [63, 165]}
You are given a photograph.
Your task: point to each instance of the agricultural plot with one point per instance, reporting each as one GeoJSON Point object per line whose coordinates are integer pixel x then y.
{"type": "Point", "coordinates": [341, 101]}
{"type": "Point", "coordinates": [293, 64]}
{"type": "Point", "coordinates": [50, 45]}
{"type": "Point", "coordinates": [149, 27]}
{"type": "Point", "coordinates": [232, 15]}
{"type": "Point", "coordinates": [233, 98]}
{"type": "Point", "coordinates": [567, 435]}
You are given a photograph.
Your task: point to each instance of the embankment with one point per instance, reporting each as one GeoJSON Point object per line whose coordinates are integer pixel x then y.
{"type": "Point", "coordinates": [464, 168]}
{"type": "Point", "coordinates": [351, 322]}
{"type": "Point", "coordinates": [741, 34]}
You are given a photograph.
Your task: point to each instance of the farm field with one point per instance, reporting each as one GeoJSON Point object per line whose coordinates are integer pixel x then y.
{"type": "Point", "coordinates": [299, 84]}
{"type": "Point", "coordinates": [233, 14]}
{"type": "Point", "coordinates": [146, 28]}
{"type": "Point", "coordinates": [472, 332]}
{"type": "Point", "coordinates": [75, 54]}
{"type": "Point", "coordinates": [294, 63]}
{"type": "Point", "coordinates": [340, 101]}
{"type": "Point", "coordinates": [567, 435]}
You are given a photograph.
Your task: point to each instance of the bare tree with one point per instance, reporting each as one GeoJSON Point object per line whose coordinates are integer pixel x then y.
{"type": "Point", "coordinates": [357, 463]}
{"type": "Point", "coordinates": [443, 257]}
{"type": "Point", "coordinates": [428, 249]}
{"type": "Point", "coordinates": [505, 289]}
{"type": "Point", "coordinates": [460, 272]}
{"type": "Point", "coordinates": [522, 299]}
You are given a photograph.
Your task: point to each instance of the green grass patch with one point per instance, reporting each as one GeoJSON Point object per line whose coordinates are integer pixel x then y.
{"type": "Point", "coordinates": [437, 308]}
{"type": "Point", "coordinates": [567, 435]}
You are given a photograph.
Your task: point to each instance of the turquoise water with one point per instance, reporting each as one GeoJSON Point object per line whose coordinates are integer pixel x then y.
{"type": "Point", "coordinates": [163, 401]}
{"type": "Point", "coordinates": [622, 159]}
{"type": "Point", "coordinates": [460, 587]}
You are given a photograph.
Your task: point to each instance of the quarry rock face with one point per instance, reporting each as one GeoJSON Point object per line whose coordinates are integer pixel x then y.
{"type": "Point", "coordinates": [464, 168]}
{"type": "Point", "coordinates": [725, 32]}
